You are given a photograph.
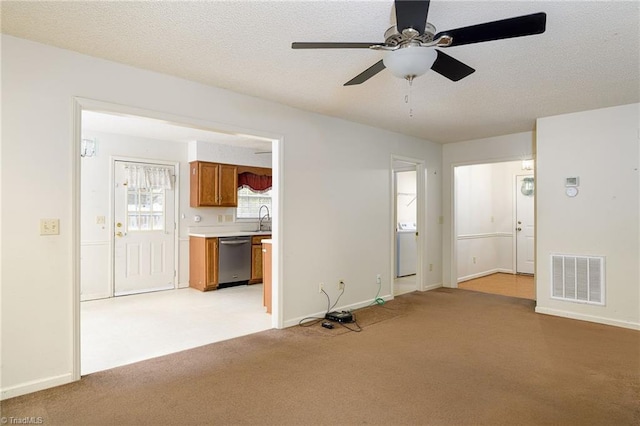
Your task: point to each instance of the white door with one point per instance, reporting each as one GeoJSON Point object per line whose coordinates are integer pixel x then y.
{"type": "Point", "coordinates": [144, 229]}
{"type": "Point", "coordinates": [525, 230]}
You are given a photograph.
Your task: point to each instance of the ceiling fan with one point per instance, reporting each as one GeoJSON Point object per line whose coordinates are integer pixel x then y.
{"type": "Point", "coordinates": [410, 44]}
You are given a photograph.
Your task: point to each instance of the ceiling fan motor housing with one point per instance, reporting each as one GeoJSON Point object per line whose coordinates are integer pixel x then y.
{"type": "Point", "coordinates": [394, 38]}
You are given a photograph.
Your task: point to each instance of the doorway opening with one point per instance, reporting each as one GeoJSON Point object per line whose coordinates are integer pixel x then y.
{"type": "Point", "coordinates": [494, 235]}
{"type": "Point", "coordinates": [408, 190]}
{"type": "Point", "coordinates": [134, 298]}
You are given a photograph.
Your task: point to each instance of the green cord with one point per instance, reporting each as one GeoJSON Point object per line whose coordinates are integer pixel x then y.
{"type": "Point", "coordinates": [378, 300]}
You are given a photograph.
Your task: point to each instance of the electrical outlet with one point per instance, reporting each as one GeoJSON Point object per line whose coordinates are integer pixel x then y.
{"type": "Point", "coordinates": [321, 288]}
{"type": "Point", "coordinates": [49, 226]}
{"type": "Point", "coordinates": [341, 285]}
{"type": "Point", "coordinates": [474, 259]}
{"type": "Point", "coordinates": [431, 267]}
{"type": "Point", "coordinates": [378, 279]}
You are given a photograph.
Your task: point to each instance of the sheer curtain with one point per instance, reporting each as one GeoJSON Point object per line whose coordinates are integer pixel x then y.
{"type": "Point", "coordinates": [140, 176]}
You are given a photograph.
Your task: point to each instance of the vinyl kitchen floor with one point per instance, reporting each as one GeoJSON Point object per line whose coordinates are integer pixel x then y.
{"type": "Point", "coordinates": [403, 285]}
{"type": "Point", "coordinates": [127, 329]}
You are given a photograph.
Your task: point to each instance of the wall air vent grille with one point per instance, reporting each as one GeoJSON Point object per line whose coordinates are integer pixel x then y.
{"type": "Point", "coordinates": [577, 278]}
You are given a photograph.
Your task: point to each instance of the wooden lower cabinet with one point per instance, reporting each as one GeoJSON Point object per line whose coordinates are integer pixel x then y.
{"type": "Point", "coordinates": [267, 283]}
{"type": "Point", "coordinates": [203, 263]}
{"type": "Point", "coordinates": [256, 258]}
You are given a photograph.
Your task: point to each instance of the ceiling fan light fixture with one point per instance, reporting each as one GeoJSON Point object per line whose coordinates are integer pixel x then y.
{"type": "Point", "coordinates": [410, 62]}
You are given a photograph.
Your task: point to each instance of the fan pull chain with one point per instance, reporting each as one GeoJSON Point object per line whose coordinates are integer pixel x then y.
{"type": "Point", "coordinates": [407, 97]}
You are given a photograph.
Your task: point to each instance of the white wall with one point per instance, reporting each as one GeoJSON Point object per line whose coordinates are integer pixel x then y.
{"type": "Point", "coordinates": [336, 196]}
{"type": "Point", "coordinates": [601, 148]}
{"type": "Point", "coordinates": [480, 151]}
{"type": "Point", "coordinates": [485, 210]}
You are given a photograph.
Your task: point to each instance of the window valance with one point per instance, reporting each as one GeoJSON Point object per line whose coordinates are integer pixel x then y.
{"type": "Point", "coordinates": [257, 183]}
{"type": "Point", "coordinates": [139, 176]}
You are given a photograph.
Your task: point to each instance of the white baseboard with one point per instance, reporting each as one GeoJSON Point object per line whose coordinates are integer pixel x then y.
{"type": "Point", "coordinates": [432, 286]}
{"type": "Point", "coordinates": [484, 274]}
{"type": "Point", "coordinates": [354, 306]}
{"type": "Point", "coordinates": [590, 318]}
{"type": "Point", "coordinates": [35, 386]}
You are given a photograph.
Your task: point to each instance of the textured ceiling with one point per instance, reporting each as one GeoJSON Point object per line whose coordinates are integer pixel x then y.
{"type": "Point", "coordinates": [588, 58]}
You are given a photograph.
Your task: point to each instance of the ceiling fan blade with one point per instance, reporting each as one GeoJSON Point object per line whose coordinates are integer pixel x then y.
{"type": "Point", "coordinates": [411, 14]}
{"type": "Point", "coordinates": [366, 74]}
{"type": "Point", "coordinates": [305, 45]}
{"type": "Point", "coordinates": [496, 30]}
{"type": "Point", "coordinates": [450, 67]}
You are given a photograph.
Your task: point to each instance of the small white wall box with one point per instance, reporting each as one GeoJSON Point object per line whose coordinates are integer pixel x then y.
{"type": "Point", "coordinates": [572, 181]}
{"type": "Point", "coordinates": [571, 186]}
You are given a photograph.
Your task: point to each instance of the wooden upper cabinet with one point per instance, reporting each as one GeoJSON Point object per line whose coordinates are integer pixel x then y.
{"type": "Point", "coordinates": [213, 185]}
{"type": "Point", "coordinates": [228, 188]}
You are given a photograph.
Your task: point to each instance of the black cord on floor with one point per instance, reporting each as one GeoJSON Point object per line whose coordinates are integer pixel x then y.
{"type": "Point", "coordinates": [355, 330]}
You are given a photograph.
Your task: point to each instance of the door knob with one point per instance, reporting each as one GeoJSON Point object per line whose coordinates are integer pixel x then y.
{"type": "Point", "coordinates": [119, 234]}
{"type": "Point", "coordinates": [518, 229]}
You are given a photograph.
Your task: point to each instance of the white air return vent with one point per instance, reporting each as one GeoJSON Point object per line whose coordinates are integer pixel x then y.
{"type": "Point", "coordinates": [577, 278]}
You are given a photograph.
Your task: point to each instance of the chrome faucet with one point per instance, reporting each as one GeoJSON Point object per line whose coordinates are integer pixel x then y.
{"type": "Point", "coordinates": [262, 217]}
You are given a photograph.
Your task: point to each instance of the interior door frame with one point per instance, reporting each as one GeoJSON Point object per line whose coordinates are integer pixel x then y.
{"type": "Point", "coordinates": [112, 211]}
{"type": "Point", "coordinates": [78, 104]}
{"type": "Point", "coordinates": [421, 185]}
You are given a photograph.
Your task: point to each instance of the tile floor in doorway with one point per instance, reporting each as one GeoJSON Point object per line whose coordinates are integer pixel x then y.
{"type": "Point", "coordinates": [127, 329]}
{"type": "Point", "coordinates": [403, 285]}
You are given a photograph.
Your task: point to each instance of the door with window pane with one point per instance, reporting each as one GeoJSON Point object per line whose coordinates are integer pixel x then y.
{"type": "Point", "coordinates": [144, 227]}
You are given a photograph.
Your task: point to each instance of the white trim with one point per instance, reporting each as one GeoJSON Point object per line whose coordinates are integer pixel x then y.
{"type": "Point", "coordinates": [589, 318]}
{"type": "Point", "coordinates": [485, 235]}
{"type": "Point", "coordinates": [353, 306]}
{"type": "Point", "coordinates": [432, 287]}
{"type": "Point", "coordinates": [37, 385]}
{"type": "Point", "coordinates": [76, 277]}
{"type": "Point", "coordinates": [485, 274]}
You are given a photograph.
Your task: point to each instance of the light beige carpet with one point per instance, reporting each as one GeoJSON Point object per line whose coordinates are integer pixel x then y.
{"type": "Point", "coordinates": [444, 357]}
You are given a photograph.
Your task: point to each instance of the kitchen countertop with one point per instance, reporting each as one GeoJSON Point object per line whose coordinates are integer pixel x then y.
{"type": "Point", "coordinates": [228, 234]}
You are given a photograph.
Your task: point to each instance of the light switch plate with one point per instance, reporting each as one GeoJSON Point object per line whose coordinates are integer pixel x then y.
{"type": "Point", "coordinates": [49, 226]}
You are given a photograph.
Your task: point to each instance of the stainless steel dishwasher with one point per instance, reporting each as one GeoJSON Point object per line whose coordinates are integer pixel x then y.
{"type": "Point", "coordinates": [234, 261]}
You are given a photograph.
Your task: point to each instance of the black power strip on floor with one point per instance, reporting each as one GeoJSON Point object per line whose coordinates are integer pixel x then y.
{"type": "Point", "coordinates": [343, 316]}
